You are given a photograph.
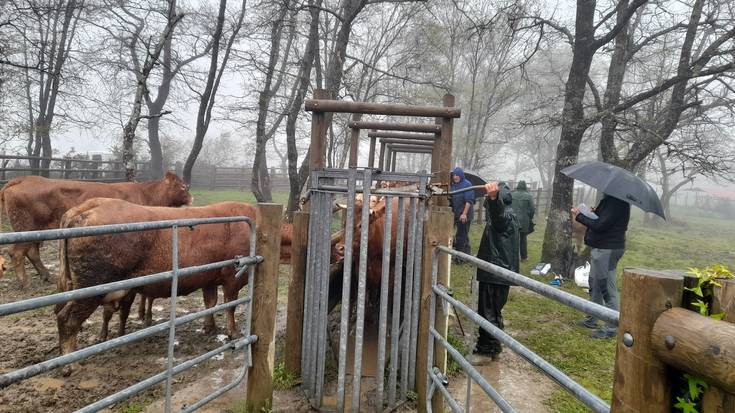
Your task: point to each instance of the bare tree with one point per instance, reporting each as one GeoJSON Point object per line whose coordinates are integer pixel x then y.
{"type": "Point", "coordinates": [214, 76]}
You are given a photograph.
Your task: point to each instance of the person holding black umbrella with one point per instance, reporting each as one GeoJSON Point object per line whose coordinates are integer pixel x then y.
{"type": "Point", "coordinates": [606, 227]}
{"type": "Point", "coordinates": [463, 209]}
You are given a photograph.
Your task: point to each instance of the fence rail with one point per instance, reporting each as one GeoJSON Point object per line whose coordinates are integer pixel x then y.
{"type": "Point", "coordinates": [244, 343]}
{"type": "Point", "coordinates": [442, 293]}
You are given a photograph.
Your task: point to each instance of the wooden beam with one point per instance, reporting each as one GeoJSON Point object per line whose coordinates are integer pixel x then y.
{"type": "Point", "coordinates": [403, 135]}
{"type": "Point", "coordinates": [642, 380]}
{"type": "Point", "coordinates": [317, 150]}
{"type": "Point", "coordinates": [444, 152]}
{"type": "Point", "coordinates": [381, 157]}
{"type": "Point", "coordinates": [264, 307]}
{"type": "Point", "coordinates": [714, 399]}
{"type": "Point", "coordinates": [410, 148]}
{"type": "Point", "coordinates": [437, 231]}
{"type": "Point", "coordinates": [405, 141]}
{"type": "Point", "coordinates": [393, 160]}
{"type": "Point", "coordinates": [295, 306]}
{"type": "Point", "coordinates": [354, 141]}
{"type": "Point", "coordinates": [371, 154]}
{"type": "Point", "coordinates": [323, 105]}
{"type": "Point", "coordinates": [405, 127]}
{"type": "Point", "coordinates": [698, 345]}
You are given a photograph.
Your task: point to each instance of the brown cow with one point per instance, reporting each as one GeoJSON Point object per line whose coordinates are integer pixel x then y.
{"type": "Point", "coordinates": [90, 261]}
{"type": "Point", "coordinates": [35, 203]}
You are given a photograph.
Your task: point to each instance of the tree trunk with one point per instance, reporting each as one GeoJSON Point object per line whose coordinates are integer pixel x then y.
{"type": "Point", "coordinates": [154, 144]}
{"type": "Point", "coordinates": [557, 239]}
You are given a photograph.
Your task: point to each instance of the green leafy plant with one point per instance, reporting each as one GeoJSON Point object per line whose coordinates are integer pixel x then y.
{"type": "Point", "coordinates": [689, 396]}
{"type": "Point", "coordinates": [282, 378]}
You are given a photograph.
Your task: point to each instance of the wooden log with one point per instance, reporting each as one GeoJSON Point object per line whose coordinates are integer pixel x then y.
{"type": "Point", "coordinates": [716, 400]}
{"type": "Point", "coordinates": [437, 231]}
{"type": "Point", "coordinates": [405, 127]}
{"type": "Point", "coordinates": [354, 141]}
{"type": "Point", "coordinates": [410, 148]}
{"type": "Point", "coordinates": [295, 309]}
{"type": "Point", "coordinates": [321, 104]}
{"type": "Point", "coordinates": [393, 160]}
{"type": "Point", "coordinates": [699, 345]}
{"type": "Point", "coordinates": [642, 380]}
{"type": "Point", "coordinates": [381, 157]}
{"type": "Point", "coordinates": [404, 135]}
{"type": "Point", "coordinates": [264, 306]}
{"type": "Point", "coordinates": [317, 149]}
{"type": "Point", "coordinates": [443, 152]}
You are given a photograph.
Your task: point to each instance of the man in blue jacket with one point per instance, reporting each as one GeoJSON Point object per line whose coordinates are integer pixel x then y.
{"type": "Point", "coordinates": [462, 206]}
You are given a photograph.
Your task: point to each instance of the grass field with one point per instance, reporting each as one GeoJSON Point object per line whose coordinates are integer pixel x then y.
{"type": "Point", "coordinates": [544, 326]}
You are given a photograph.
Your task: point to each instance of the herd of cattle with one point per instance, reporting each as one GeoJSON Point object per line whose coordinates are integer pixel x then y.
{"type": "Point", "coordinates": [35, 203]}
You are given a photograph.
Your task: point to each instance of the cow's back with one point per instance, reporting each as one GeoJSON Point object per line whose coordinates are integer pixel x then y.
{"type": "Point", "coordinates": [35, 203]}
{"type": "Point", "coordinates": [102, 259]}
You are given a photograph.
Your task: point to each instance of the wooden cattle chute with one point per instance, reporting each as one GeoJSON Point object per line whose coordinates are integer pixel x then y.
{"type": "Point", "coordinates": [656, 337]}
{"type": "Point", "coordinates": [433, 137]}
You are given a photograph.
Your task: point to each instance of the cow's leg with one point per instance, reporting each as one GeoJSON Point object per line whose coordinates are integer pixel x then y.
{"type": "Point", "coordinates": [69, 319]}
{"type": "Point", "coordinates": [34, 254]}
{"type": "Point", "coordinates": [210, 300]}
{"type": "Point", "coordinates": [108, 309]}
{"type": "Point", "coordinates": [18, 258]}
{"type": "Point", "coordinates": [230, 294]}
{"type": "Point", "coordinates": [141, 308]}
{"type": "Point", "coordinates": [148, 311]}
{"type": "Point", "coordinates": [125, 306]}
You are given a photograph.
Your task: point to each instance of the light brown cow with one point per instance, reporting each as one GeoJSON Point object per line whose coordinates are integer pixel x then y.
{"type": "Point", "coordinates": [35, 203]}
{"type": "Point", "coordinates": [98, 260]}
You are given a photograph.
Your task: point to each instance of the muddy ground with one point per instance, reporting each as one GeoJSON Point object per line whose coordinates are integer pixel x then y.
{"type": "Point", "coordinates": [31, 337]}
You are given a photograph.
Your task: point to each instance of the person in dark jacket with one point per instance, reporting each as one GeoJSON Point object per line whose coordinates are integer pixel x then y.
{"type": "Point", "coordinates": [462, 206]}
{"type": "Point", "coordinates": [499, 246]}
{"type": "Point", "coordinates": [524, 209]}
{"type": "Point", "coordinates": [606, 238]}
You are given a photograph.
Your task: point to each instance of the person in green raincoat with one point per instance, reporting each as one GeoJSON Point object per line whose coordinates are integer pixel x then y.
{"type": "Point", "coordinates": [524, 209]}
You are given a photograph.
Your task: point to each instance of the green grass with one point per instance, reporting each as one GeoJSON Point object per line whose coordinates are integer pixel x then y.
{"type": "Point", "coordinates": [206, 197]}
{"type": "Point", "coordinates": [544, 325]}
{"type": "Point", "coordinates": [135, 407]}
{"type": "Point", "coordinates": [282, 379]}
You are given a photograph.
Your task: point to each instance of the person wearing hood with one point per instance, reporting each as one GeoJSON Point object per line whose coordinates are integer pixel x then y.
{"type": "Point", "coordinates": [499, 246]}
{"type": "Point", "coordinates": [524, 209]}
{"type": "Point", "coordinates": [462, 207]}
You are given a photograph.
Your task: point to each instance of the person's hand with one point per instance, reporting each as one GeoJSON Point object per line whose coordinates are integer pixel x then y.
{"type": "Point", "coordinates": [463, 218]}
{"type": "Point", "coordinates": [575, 212]}
{"type": "Point", "coordinates": [492, 190]}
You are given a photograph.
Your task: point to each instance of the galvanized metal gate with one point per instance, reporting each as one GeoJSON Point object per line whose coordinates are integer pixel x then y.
{"type": "Point", "coordinates": [399, 310]}
{"type": "Point", "coordinates": [242, 264]}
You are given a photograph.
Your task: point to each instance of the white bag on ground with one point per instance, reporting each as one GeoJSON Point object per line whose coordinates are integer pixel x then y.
{"type": "Point", "coordinates": [582, 276]}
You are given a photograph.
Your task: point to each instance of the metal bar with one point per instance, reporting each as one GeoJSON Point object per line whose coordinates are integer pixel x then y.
{"type": "Point", "coordinates": [370, 108]}
{"type": "Point", "coordinates": [33, 303]}
{"type": "Point", "coordinates": [310, 327]}
{"type": "Point", "coordinates": [172, 317]}
{"type": "Point", "coordinates": [42, 367]}
{"type": "Point", "coordinates": [324, 273]}
{"type": "Point", "coordinates": [468, 395]}
{"type": "Point", "coordinates": [472, 373]}
{"type": "Point", "coordinates": [408, 298]}
{"type": "Point", "coordinates": [64, 233]}
{"type": "Point", "coordinates": [418, 246]}
{"type": "Point", "coordinates": [346, 286]}
{"type": "Point", "coordinates": [306, 330]}
{"type": "Point", "coordinates": [447, 396]}
{"type": "Point", "coordinates": [361, 286]}
{"type": "Point", "coordinates": [406, 127]}
{"type": "Point", "coordinates": [384, 282]}
{"type": "Point", "coordinates": [598, 311]}
{"type": "Point", "coordinates": [585, 396]}
{"type": "Point", "coordinates": [338, 189]}
{"type": "Point", "coordinates": [152, 381]}
{"type": "Point", "coordinates": [60, 170]}
{"type": "Point", "coordinates": [240, 377]}
{"type": "Point", "coordinates": [396, 321]}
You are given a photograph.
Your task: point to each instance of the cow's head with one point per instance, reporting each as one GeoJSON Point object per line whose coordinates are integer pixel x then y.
{"type": "Point", "coordinates": [377, 210]}
{"type": "Point", "coordinates": [176, 191]}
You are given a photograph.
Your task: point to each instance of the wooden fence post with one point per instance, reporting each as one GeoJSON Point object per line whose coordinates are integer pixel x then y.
{"type": "Point", "coordinates": [67, 168]}
{"type": "Point", "coordinates": [213, 179]}
{"type": "Point", "coordinates": [295, 311]}
{"type": "Point", "coordinates": [437, 231]}
{"type": "Point", "coordinates": [265, 302]}
{"type": "Point", "coordinates": [642, 381]}
{"type": "Point", "coordinates": [716, 400]}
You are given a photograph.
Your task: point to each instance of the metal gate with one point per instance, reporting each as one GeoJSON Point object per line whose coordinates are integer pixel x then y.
{"type": "Point", "coordinates": [437, 382]}
{"type": "Point", "coordinates": [396, 346]}
{"type": "Point", "coordinates": [242, 264]}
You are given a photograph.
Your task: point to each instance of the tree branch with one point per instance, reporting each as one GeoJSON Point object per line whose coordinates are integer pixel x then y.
{"type": "Point", "coordinates": [620, 25]}
{"type": "Point", "coordinates": [157, 115]}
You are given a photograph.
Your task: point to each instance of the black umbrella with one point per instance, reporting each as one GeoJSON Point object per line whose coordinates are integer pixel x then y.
{"type": "Point", "coordinates": [476, 181]}
{"type": "Point", "coordinates": [619, 183]}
